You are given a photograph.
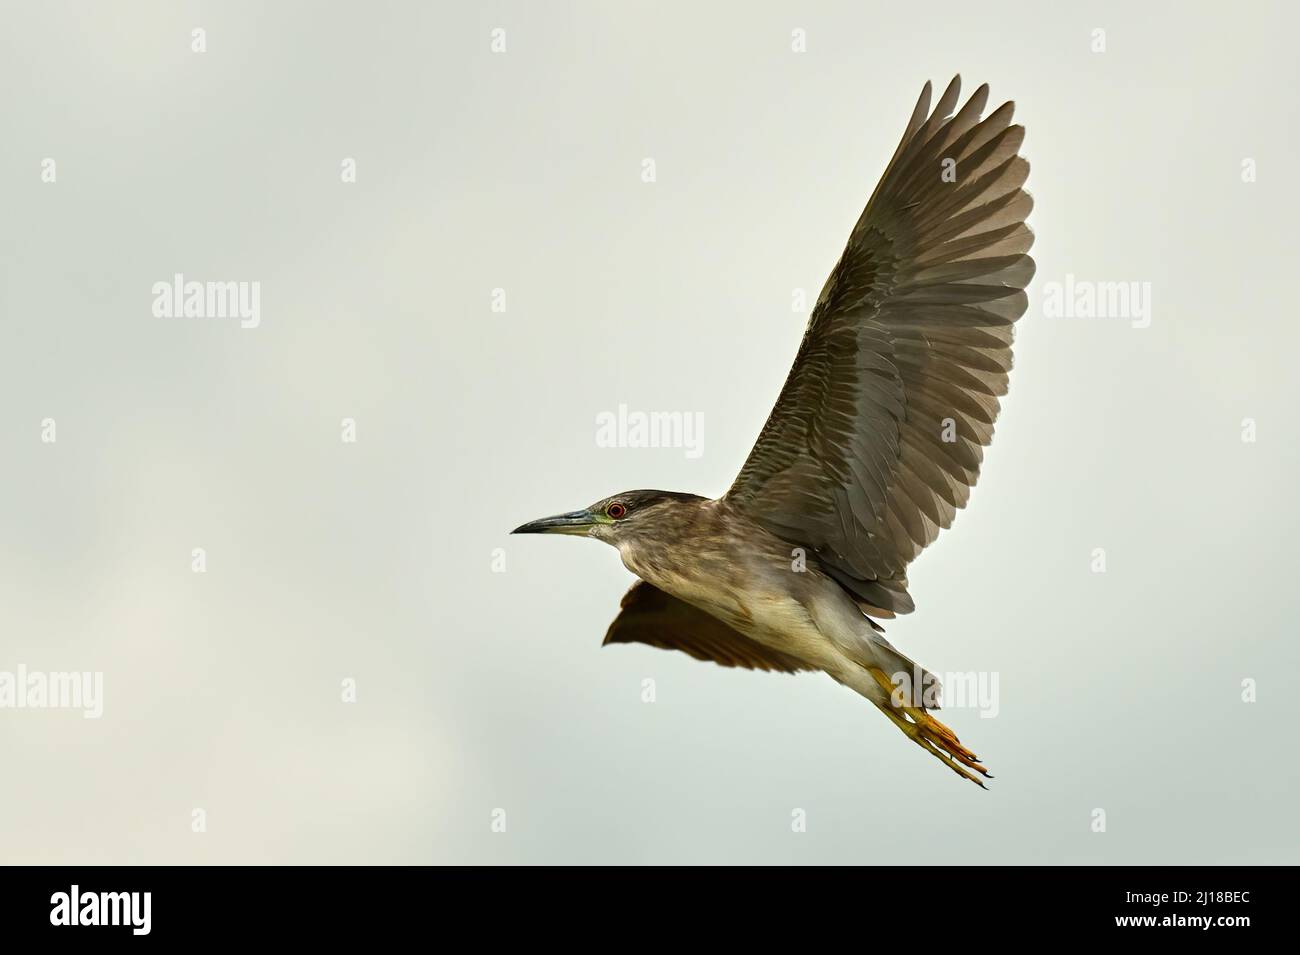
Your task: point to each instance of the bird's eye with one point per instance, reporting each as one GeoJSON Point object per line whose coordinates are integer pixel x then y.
{"type": "Point", "coordinates": [615, 510]}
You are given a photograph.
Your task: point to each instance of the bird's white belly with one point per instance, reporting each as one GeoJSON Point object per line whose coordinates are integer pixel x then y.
{"type": "Point", "coordinates": [774, 619]}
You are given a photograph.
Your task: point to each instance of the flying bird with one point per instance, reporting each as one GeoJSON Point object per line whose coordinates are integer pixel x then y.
{"type": "Point", "coordinates": [873, 445]}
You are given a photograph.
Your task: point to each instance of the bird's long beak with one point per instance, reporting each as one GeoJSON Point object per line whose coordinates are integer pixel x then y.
{"type": "Point", "coordinates": [574, 522]}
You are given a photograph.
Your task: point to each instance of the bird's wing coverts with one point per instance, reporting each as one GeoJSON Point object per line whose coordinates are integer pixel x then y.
{"type": "Point", "coordinates": [878, 434]}
{"type": "Point", "coordinates": [655, 618]}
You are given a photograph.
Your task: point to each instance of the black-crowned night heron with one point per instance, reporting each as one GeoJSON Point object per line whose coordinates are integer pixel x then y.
{"type": "Point", "coordinates": [874, 443]}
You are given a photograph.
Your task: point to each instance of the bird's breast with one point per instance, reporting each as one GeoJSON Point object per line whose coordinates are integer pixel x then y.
{"type": "Point", "coordinates": [731, 589]}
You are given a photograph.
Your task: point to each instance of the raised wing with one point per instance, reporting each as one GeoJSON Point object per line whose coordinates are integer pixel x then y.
{"type": "Point", "coordinates": [878, 434]}
{"type": "Point", "coordinates": [655, 618]}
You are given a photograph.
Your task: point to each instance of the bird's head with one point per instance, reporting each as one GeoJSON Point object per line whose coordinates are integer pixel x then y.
{"type": "Point", "coordinates": [615, 518]}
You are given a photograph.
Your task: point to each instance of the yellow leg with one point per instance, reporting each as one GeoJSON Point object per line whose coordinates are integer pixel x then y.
{"type": "Point", "coordinates": [931, 735]}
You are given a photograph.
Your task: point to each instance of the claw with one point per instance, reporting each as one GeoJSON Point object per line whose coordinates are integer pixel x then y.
{"type": "Point", "coordinates": [931, 735]}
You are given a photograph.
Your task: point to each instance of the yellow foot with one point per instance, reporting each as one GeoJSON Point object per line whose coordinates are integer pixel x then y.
{"type": "Point", "coordinates": [931, 735]}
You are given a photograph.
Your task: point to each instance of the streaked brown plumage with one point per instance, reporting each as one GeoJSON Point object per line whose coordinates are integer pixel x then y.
{"type": "Point", "coordinates": [875, 440]}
